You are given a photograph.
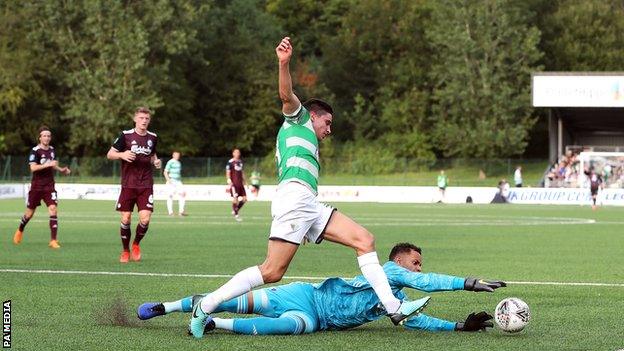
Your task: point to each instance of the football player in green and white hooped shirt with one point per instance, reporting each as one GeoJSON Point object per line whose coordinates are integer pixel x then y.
{"type": "Point", "coordinates": [173, 176]}
{"type": "Point", "coordinates": [297, 214]}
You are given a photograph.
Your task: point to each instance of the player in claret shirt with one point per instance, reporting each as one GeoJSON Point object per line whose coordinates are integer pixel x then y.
{"type": "Point", "coordinates": [236, 182]}
{"type": "Point", "coordinates": [43, 163]}
{"type": "Point", "coordinates": [136, 148]}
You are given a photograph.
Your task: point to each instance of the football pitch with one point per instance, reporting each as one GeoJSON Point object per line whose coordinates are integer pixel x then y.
{"type": "Point", "coordinates": [80, 297]}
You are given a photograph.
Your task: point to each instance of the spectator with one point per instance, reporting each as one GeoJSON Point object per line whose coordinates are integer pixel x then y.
{"type": "Point", "coordinates": [503, 189]}
{"type": "Point", "coordinates": [518, 176]}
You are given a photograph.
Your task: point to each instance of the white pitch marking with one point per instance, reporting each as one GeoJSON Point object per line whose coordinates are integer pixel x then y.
{"type": "Point", "coordinates": [187, 275]}
{"type": "Point", "coordinates": [424, 222]}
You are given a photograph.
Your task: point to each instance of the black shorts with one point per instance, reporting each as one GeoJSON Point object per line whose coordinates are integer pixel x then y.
{"type": "Point", "coordinates": [594, 191]}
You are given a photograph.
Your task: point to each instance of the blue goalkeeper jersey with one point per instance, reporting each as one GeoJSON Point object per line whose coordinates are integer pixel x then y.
{"type": "Point", "coordinates": [343, 304]}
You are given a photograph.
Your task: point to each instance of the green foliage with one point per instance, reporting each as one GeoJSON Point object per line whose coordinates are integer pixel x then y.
{"type": "Point", "coordinates": [375, 62]}
{"type": "Point", "coordinates": [484, 55]}
{"type": "Point", "coordinates": [585, 36]}
{"type": "Point", "coordinates": [237, 105]}
{"type": "Point", "coordinates": [420, 78]}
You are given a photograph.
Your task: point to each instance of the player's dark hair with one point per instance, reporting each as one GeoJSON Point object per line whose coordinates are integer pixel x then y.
{"type": "Point", "coordinates": [44, 128]}
{"type": "Point", "coordinates": [315, 105]}
{"type": "Point", "coordinates": [403, 248]}
{"type": "Point", "coordinates": [143, 109]}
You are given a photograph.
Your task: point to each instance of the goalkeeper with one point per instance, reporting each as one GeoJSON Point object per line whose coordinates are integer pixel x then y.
{"type": "Point", "coordinates": [335, 303]}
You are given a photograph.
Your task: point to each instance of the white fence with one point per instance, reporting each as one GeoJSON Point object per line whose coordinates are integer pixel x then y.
{"type": "Point", "coordinates": [390, 194]}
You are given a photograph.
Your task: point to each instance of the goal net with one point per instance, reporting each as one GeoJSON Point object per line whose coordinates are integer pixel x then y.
{"type": "Point", "coordinates": [609, 165]}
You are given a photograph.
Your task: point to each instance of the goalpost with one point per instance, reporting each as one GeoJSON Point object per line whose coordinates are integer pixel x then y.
{"type": "Point", "coordinates": [609, 165]}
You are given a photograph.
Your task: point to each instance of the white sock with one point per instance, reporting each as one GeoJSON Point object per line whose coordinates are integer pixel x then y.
{"type": "Point", "coordinates": [181, 203]}
{"type": "Point", "coordinates": [170, 205]}
{"type": "Point", "coordinates": [240, 283]}
{"type": "Point", "coordinates": [175, 306]}
{"type": "Point", "coordinates": [221, 323]}
{"type": "Point", "coordinates": [369, 264]}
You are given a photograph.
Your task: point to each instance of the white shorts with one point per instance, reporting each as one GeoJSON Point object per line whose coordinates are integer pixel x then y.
{"type": "Point", "coordinates": [175, 187]}
{"type": "Point", "coordinates": [297, 214]}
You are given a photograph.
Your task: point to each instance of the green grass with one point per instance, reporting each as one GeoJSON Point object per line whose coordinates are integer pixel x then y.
{"type": "Point", "coordinates": [510, 242]}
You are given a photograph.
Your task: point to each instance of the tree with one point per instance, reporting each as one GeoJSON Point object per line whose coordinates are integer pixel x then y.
{"type": "Point", "coordinates": [484, 56]}
{"type": "Point", "coordinates": [115, 56]}
{"type": "Point", "coordinates": [584, 36]}
{"type": "Point", "coordinates": [376, 66]}
{"type": "Point", "coordinates": [237, 100]}
{"type": "Point", "coordinates": [26, 96]}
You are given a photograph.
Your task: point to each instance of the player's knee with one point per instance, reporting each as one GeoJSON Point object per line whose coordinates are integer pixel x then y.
{"type": "Point", "coordinates": [144, 219]}
{"type": "Point", "coordinates": [271, 273]}
{"type": "Point", "coordinates": [126, 219]}
{"type": "Point", "coordinates": [365, 241]}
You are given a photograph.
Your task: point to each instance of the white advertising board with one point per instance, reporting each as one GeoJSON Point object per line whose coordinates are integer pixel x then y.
{"type": "Point", "coordinates": [11, 191]}
{"type": "Point", "coordinates": [388, 194]}
{"type": "Point", "coordinates": [578, 90]}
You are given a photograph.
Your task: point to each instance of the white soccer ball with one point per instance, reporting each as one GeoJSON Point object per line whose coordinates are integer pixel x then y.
{"type": "Point", "coordinates": [512, 315]}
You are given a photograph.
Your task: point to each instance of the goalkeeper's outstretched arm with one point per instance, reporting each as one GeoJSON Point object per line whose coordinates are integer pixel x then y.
{"type": "Point", "coordinates": [430, 282]}
{"type": "Point", "coordinates": [474, 322]}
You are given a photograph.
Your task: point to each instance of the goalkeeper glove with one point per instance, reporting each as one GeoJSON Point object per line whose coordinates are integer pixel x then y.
{"type": "Point", "coordinates": [474, 284]}
{"type": "Point", "coordinates": [475, 322]}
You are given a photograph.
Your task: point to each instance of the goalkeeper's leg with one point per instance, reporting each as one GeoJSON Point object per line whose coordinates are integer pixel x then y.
{"type": "Point", "coordinates": [290, 323]}
{"type": "Point", "coordinates": [252, 302]}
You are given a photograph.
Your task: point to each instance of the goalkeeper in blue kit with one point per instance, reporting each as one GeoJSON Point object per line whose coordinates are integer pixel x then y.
{"type": "Point", "coordinates": [335, 303]}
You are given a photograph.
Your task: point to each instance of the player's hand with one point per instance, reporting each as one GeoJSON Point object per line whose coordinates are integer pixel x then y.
{"type": "Point", "coordinates": [53, 163]}
{"type": "Point", "coordinates": [284, 50]}
{"type": "Point", "coordinates": [228, 188]}
{"type": "Point", "coordinates": [157, 163]}
{"type": "Point", "coordinates": [475, 322]}
{"type": "Point", "coordinates": [65, 170]}
{"type": "Point", "coordinates": [474, 284]}
{"type": "Point", "coordinates": [128, 156]}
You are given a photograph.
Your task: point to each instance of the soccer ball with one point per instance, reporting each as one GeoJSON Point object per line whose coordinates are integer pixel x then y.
{"type": "Point", "coordinates": [512, 315]}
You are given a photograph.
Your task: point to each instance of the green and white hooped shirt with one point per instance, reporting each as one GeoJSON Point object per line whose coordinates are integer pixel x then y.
{"type": "Point", "coordinates": [296, 154]}
{"type": "Point", "coordinates": [174, 168]}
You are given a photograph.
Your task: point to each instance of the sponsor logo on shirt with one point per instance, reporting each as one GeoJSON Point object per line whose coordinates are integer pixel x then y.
{"type": "Point", "coordinates": [141, 150]}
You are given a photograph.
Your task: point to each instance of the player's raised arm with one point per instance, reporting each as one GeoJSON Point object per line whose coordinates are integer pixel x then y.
{"type": "Point", "coordinates": [290, 101]}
